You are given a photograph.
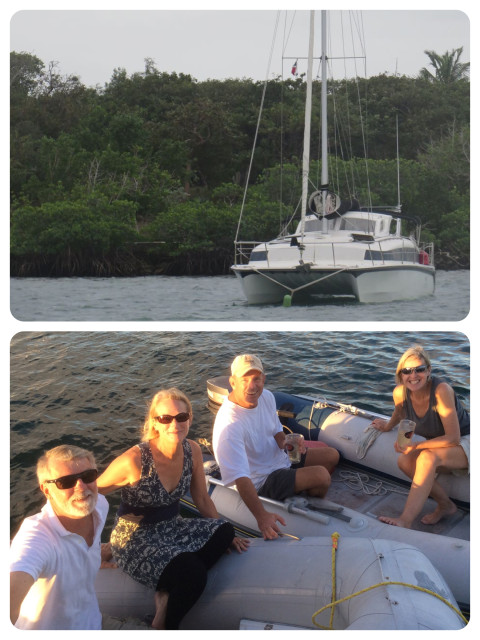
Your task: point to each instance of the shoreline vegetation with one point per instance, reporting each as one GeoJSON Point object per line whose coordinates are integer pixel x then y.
{"type": "Point", "coordinates": [146, 175]}
{"type": "Point", "coordinates": [129, 263]}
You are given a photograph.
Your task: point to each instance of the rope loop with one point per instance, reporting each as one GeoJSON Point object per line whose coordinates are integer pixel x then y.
{"type": "Point", "coordinates": [386, 583]}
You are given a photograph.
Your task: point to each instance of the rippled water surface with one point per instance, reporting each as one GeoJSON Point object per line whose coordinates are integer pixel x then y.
{"type": "Point", "coordinates": [92, 388]}
{"type": "Point", "coordinates": [212, 298]}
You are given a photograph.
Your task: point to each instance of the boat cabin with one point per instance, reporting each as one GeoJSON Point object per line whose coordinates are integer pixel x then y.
{"type": "Point", "coordinates": [365, 222]}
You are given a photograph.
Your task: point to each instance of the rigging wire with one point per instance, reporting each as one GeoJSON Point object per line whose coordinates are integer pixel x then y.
{"type": "Point", "coordinates": [342, 142]}
{"type": "Point", "coordinates": [258, 125]}
{"type": "Point", "coordinates": [284, 224]}
{"type": "Point", "coordinates": [362, 118]}
{"type": "Point", "coordinates": [351, 189]}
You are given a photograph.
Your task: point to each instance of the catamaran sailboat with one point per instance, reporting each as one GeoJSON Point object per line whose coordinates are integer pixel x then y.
{"type": "Point", "coordinates": [338, 248]}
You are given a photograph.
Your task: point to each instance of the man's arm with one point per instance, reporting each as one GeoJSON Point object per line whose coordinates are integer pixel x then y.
{"type": "Point", "coordinates": [280, 439]}
{"type": "Point", "coordinates": [20, 584]}
{"type": "Point", "coordinates": [267, 521]}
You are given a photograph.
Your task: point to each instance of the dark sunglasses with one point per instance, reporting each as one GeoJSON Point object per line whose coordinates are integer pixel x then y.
{"type": "Point", "coordinates": [68, 482]}
{"type": "Point", "coordinates": [408, 370]}
{"type": "Point", "coordinates": [166, 419]}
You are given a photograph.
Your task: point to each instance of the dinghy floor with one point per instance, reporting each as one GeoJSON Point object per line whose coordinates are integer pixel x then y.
{"type": "Point", "coordinates": [389, 503]}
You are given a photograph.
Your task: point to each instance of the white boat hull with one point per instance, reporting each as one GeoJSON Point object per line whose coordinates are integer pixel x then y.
{"type": "Point", "coordinates": [283, 583]}
{"type": "Point", "coordinates": [364, 284]}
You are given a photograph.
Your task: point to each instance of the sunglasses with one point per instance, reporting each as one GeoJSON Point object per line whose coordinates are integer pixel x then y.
{"type": "Point", "coordinates": [68, 482]}
{"type": "Point", "coordinates": [408, 370]}
{"type": "Point", "coordinates": [166, 419]}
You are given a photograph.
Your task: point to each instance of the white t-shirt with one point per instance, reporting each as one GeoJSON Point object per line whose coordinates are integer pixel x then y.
{"type": "Point", "coordinates": [64, 568]}
{"type": "Point", "coordinates": [243, 441]}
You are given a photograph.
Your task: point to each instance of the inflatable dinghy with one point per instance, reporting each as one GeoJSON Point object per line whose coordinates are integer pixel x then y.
{"type": "Point", "coordinates": [346, 428]}
{"type": "Point", "coordinates": [353, 503]}
{"type": "Point", "coordinates": [288, 584]}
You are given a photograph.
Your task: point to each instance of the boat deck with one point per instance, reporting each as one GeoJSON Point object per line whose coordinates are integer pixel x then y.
{"type": "Point", "coordinates": [375, 496]}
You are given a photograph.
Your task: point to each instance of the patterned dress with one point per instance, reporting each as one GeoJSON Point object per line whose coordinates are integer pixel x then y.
{"type": "Point", "coordinates": [144, 550]}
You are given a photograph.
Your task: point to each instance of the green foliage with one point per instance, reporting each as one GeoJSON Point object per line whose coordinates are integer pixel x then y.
{"type": "Point", "coordinates": [92, 226]}
{"type": "Point", "coordinates": [452, 236]}
{"type": "Point", "coordinates": [25, 74]}
{"type": "Point", "coordinates": [166, 157]}
{"type": "Point", "coordinates": [448, 67]}
{"type": "Point", "coordinates": [193, 225]}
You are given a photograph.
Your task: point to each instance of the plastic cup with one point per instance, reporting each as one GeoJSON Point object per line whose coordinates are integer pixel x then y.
{"type": "Point", "coordinates": [294, 444]}
{"type": "Point", "coordinates": [406, 429]}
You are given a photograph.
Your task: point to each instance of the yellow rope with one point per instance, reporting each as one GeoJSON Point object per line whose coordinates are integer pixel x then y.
{"type": "Point", "coordinates": [335, 537]}
{"type": "Point", "coordinates": [332, 605]}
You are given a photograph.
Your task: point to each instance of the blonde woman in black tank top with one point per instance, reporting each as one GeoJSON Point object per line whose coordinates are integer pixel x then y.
{"type": "Point", "coordinates": [432, 404]}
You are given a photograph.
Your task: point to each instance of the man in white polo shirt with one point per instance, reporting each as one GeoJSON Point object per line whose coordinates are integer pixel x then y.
{"type": "Point", "coordinates": [56, 554]}
{"type": "Point", "coordinates": [249, 446]}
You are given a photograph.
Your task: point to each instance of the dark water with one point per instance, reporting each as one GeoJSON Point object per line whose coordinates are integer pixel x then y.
{"type": "Point", "coordinates": [212, 298]}
{"type": "Point", "coordinates": [92, 388]}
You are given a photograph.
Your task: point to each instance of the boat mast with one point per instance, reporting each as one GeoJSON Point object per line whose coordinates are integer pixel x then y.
{"type": "Point", "coordinates": [324, 175]}
{"type": "Point", "coordinates": [306, 135]}
{"type": "Point", "coordinates": [398, 230]}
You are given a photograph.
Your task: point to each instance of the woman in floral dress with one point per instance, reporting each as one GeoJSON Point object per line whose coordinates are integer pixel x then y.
{"type": "Point", "coordinates": [150, 539]}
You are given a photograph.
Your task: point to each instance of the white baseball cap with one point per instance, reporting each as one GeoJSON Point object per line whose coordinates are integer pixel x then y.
{"type": "Point", "coordinates": [245, 363]}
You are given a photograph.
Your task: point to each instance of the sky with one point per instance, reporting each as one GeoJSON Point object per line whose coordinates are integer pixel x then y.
{"type": "Point", "coordinates": [212, 43]}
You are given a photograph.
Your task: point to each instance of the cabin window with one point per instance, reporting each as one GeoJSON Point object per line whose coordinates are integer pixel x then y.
{"type": "Point", "coordinates": [258, 255]}
{"type": "Point", "coordinates": [398, 255]}
{"type": "Point", "coordinates": [313, 225]}
{"type": "Point", "coordinates": [358, 224]}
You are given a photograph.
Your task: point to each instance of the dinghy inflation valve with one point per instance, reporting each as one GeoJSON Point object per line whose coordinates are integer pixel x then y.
{"type": "Point", "coordinates": [287, 300]}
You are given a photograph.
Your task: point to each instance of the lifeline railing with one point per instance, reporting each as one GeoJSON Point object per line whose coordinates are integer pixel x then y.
{"type": "Point", "coordinates": [243, 250]}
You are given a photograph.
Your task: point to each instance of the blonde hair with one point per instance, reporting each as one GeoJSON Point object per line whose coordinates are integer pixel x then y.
{"type": "Point", "coordinates": [62, 453]}
{"type": "Point", "coordinates": [149, 429]}
{"type": "Point", "coordinates": [417, 351]}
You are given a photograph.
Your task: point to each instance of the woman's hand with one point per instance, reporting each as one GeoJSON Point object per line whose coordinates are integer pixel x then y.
{"type": "Point", "coordinates": [106, 556]}
{"type": "Point", "coordinates": [240, 544]}
{"type": "Point", "coordinates": [380, 424]}
{"type": "Point", "coordinates": [406, 450]}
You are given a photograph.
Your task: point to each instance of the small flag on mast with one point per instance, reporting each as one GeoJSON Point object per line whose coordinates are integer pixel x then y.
{"type": "Point", "coordinates": [294, 69]}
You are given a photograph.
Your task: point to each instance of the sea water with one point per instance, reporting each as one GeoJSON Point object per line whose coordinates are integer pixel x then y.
{"type": "Point", "coordinates": [92, 388]}
{"type": "Point", "coordinates": [214, 298]}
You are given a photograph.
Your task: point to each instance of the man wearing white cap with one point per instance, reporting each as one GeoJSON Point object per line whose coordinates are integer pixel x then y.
{"type": "Point", "coordinates": [249, 445]}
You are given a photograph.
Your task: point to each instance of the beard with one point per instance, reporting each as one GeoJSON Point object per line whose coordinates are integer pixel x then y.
{"type": "Point", "coordinates": [80, 504]}
{"type": "Point", "coordinates": [83, 503]}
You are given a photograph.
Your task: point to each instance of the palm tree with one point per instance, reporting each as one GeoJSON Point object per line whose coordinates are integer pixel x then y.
{"type": "Point", "coordinates": [448, 69]}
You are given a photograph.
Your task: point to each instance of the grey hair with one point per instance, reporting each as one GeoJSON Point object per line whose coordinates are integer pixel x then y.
{"type": "Point", "coordinates": [62, 453]}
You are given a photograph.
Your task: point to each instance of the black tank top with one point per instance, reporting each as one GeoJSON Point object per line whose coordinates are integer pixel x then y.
{"type": "Point", "coordinates": [430, 426]}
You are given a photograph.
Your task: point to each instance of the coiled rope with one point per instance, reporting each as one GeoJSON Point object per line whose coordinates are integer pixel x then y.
{"type": "Point", "coordinates": [335, 602]}
{"type": "Point", "coordinates": [358, 481]}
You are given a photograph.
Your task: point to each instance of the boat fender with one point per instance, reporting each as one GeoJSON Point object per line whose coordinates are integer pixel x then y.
{"type": "Point", "coordinates": [423, 257]}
